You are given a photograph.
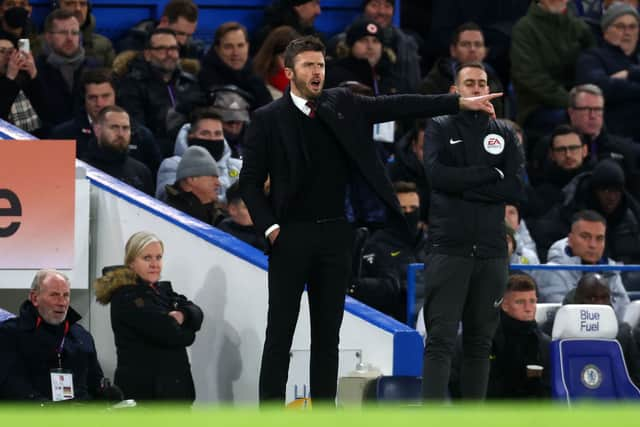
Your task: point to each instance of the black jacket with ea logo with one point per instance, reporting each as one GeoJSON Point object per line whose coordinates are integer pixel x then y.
{"type": "Point", "coordinates": [475, 166]}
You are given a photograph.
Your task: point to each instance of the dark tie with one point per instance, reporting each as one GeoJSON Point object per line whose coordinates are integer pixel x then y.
{"type": "Point", "coordinates": [312, 106]}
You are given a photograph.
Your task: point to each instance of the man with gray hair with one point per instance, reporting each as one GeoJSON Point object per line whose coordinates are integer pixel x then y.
{"type": "Point", "coordinates": [45, 354]}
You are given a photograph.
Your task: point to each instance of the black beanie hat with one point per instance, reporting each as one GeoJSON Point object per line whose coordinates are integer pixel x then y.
{"type": "Point", "coordinates": [607, 174]}
{"type": "Point", "coordinates": [362, 28]}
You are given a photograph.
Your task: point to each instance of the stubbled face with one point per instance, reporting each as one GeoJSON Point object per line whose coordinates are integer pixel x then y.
{"type": "Point", "coordinates": [52, 299]}
{"type": "Point", "coordinates": [469, 48]}
{"type": "Point", "coordinates": [554, 6]}
{"type": "Point", "coordinates": [587, 115]}
{"type": "Point", "coordinates": [307, 75]}
{"type": "Point", "coordinates": [472, 82]}
{"type": "Point", "coordinates": [80, 8]}
{"type": "Point", "coordinates": [623, 32]}
{"type": "Point", "coordinates": [164, 52]}
{"type": "Point", "coordinates": [521, 305]}
{"type": "Point", "coordinates": [380, 12]}
{"type": "Point", "coordinates": [114, 131]}
{"type": "Point", "coordinates": [568, 151]}
{"type": "Point", "coordinates": [609, 199]}
{"type": "Point", "coordinates": [308, 12]}
{"type": "Point", "coordinates": [64, 38]}
{"type": "Point", "coordinates": [587, 240]}
{"type": "Point", "coordinates": [148, 263]}
{"type": "Point", "coordinates": [98, 96]}
{"type": "Point", "coordinates": [233, 49]}
{"type": "Point", "coordinates": [369, 48]}
{"type": "Point", "coordinates": [184, 29]}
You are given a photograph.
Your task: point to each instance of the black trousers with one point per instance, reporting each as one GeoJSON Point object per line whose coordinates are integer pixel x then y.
{"type": "Point", "coordinates": [318, 254]}
{"type": "Point", "coordinates": [468, 289]}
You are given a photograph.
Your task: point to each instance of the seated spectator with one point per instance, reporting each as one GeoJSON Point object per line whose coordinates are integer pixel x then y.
{"type": "Point", "coordinates": [22, 93]}
{"type": "Point", "coordinates": [362, 58]}
{"type": "Point", "coordinates": [44, 337]}
{"type": "Point", "coordinates": [99, 92]}
{"type": "Point", "coordinates": [155, 83]}
{"type": "Point", "coordinates": [109, 150]}
{"type": "Point", "coordinates": [95, 45]}
{"type": "Point", "coordinates": [382, 283]}
{"type": "Point", "coordinates": [614, 67]}
{"type": "Point", "coordinates": [205, 131]}
{"type": "Point", "coordinates": [268, 63]}
{"type": "Point", "coordinates": [584, 245]}
{"type": "Point", "coordinates": [524, 248]}
{"type": "Point", "coordinates": [239, 223]}
{"type": "Point", "coordinates": [602, 191]}
{"type": "Point", "coordinates": [60, 69]}
{"type": "Point", "coordinates": [517, 344]}
{"type": "Point", "coordinates": [566, 157]}
{"type": "Point", "coordinates": [227, 63]}
{"type": "Point", "coordinates": [592, 288]}
{"type": "Point", "coordinates": [179, 16]}
{"type": "Point", "coordinates": [195, 191]}
{"type": "Point", "coordinates": [298, 14]}
{"type": "Point", "coordinates": [467, 45]}
{"type": "Point", "coordinates": [15, 21]}
{"type": "Point", "coordinates": [408, 164]}
{"type": "Point", "coordinates": [545, 45]}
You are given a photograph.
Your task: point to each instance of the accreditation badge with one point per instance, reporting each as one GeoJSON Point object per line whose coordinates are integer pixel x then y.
{"type": "Point", "coordinates": [61, 385]}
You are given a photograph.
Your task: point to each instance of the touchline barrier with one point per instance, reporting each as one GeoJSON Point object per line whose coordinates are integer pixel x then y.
{"type": "Point", "coordinates": [412, 270]}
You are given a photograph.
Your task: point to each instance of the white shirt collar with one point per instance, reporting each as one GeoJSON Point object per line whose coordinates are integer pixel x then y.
{"type": "Point", "coordinates": [301, 103]}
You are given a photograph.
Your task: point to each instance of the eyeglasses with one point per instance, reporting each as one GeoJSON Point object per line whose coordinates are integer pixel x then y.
{"type": "Point", "coordinates": [6, 50]}
{"type": "Point", "coordinates": [621, 26]}
{"type": "Point", "coordinates": [172, 49]}
{"type": "Point", "coordinates": [591, 110]}
{"type": "Point", "coordinates": [566, 149]}
{"type": "Point", "coordinates": [72, 33]}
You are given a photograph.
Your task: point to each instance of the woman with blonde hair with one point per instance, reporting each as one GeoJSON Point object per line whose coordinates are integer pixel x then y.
{"type": "Point", "coordinates": [152, 324]}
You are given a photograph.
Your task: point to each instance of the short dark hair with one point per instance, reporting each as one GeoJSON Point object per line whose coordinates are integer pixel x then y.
{"type": "Point", "coordinates": [302, 44]}
{"type": "Point", "coordinates": [102, 115]}
{"type": "Point", "coordinates": [521, 283]}
{"type": "Point", "coordinates": [203, 114]}
{"type": "Point", "coordinates": [57, 15]}
{"type": "Point", "coordinates": [181, 9]}
{"type": "Point", "coordinates": [96, 76]}
{"type": "Point", "coordinates": [588, 215]}
{"type": "Point", "coordinates": [474, 64]}
{"type": "Point", "coordinates": [233, 193]}
{"type": "Point", "coordinates": [157, 31]}
{"type": "Point", "coordinates": [565, 129]}
{"type": "Point", "coordinates": [401, 187]}
{"type": "Point", "coordinates": [467, 26]}
{"type": "Point", "coordinates": [227, 27]}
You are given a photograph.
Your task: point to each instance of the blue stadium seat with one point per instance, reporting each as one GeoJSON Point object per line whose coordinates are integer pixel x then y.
{"type": "Point", "coordinates": [399, 389]}
{"type": "Point", "coordinates": [586, 360]}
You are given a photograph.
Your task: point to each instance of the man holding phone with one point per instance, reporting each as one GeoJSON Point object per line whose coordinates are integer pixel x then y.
{"type": "Point", "coordinates": [22, 99]}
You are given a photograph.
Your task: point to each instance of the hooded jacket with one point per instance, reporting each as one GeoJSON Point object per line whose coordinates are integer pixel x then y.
{"type": "Point", "coordinates": [151, 345]}
{"type": "Point", "coordinates": [553, 285]}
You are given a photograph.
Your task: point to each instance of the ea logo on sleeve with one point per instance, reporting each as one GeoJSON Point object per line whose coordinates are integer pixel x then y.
{"type": "Point", "coordinates": [493, 144]}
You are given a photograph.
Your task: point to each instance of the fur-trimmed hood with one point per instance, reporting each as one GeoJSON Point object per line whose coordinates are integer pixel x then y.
{"type": "Point", "coordinates": [113, 280]}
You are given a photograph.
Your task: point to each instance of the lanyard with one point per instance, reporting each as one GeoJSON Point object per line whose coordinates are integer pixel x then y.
{"type": "Point", "coordinates": [171, 95]}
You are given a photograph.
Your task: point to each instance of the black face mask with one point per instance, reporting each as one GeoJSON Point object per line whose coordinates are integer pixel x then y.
{"type": "Point", "coordinates": [16, 17]}
{"type": "Point", "coordinates": [413, 218]}
{"type": "Point", "coordinates": [215, 147]}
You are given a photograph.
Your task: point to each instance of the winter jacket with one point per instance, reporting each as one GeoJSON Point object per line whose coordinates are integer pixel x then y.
{"type": "Point", "coordinates": [544, 50]}
{"type": "Point", "coordinates": [553, 285]}
{"type": "Point", "coordinates": [188, 203]}
{"type": "Point", "coordinates": [246, 233]}
{"type": "Point", "coordinates": [151, 345]}
{"type": "Point", "coordinates": [228, 167]}
{"type": "Point", "coordinates": [28, 352]}
{"type": "Point", "coordinates": [32, 88]}
{"type": "Point", "coordinates": [465, 156]}
{"type": "Point", "coordinates": [147, 98]}
{"type": "Point", "coordinates": [621, 96]}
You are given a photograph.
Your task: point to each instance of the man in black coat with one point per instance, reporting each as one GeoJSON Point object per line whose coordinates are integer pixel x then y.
{"type": "Point", "coordinates": [44, 337]}
{"type": "Point", "coordinates": [315, 147]}
{"type": "Point", "coordinates": [475, 166]}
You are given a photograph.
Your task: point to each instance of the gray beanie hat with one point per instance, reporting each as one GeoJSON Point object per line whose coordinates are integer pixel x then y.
{"type": "Point", "coordinates": [196, 161]}
{"type": "Point", "coordinates": [615, 11]}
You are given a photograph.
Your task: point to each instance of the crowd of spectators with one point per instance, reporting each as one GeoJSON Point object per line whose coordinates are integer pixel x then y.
{"type": "Point", "coordinates": [167, 114]}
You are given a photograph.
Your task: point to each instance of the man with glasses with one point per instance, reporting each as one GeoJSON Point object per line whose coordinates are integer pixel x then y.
{"type": "Point", "coordinates": [155, 83]}
{"type": "Point", "coordinates": [614, 67]}
{"type": "Point", "coordinates": [59, 70]}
